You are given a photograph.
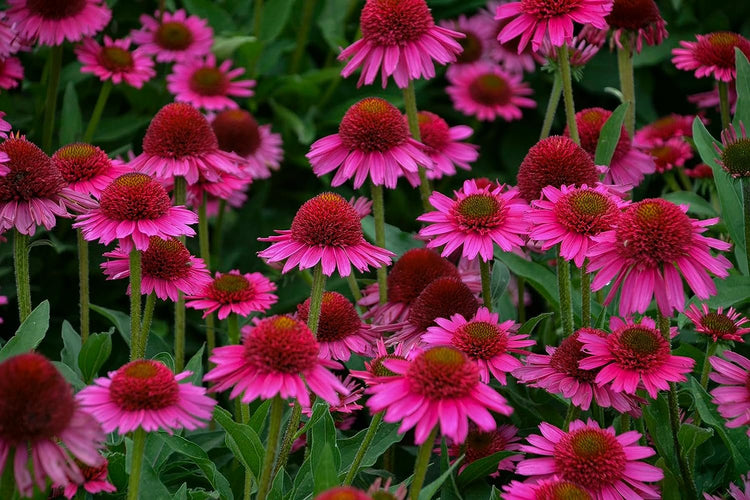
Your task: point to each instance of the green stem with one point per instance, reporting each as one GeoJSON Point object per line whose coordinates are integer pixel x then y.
{"type": "Point", "coordinates": [521, 283]}
{"type": "Point", "coordinates": [371, 431]}
{"type": "Point", "coordinates": [210, 333]}
{"type": "Point", "coordinates": [83, 285]}
{"type": "Point", "coordinates": [552, 104]}
{"type": "Point", "coordinates": [135, 302]}
{"type": "Point", "coordinates": [573, 412]}
{"type": "Point", "coordinates": [257, 25]}
{"type": "Point", "coordinates": [687, 185]}
{"type": "Point", "coordinates": [244, 417]}
{"type": "Point", "coordinates": [746, 206]}
{"type": "Point", "coordinates": [136, 463]}
{"type": "Point", "coordinates": [50, 104]}
{"type": "Point", "coordinates": [203, 240]}
{"type": "Point", "coordinates": [420, 466]}
{"type": "Point", "coordinates": [410, 103]}
{"type": "Point", "coordinates": [96, 115]}
{"type": "Point", "coordinates": [671, 181]}
{"type": "Point", "coordinates": [23, 282]}
{"type": "Point", "coordinates": [598, 413]}
{"type": "Point", "coordinates": [627, 84]}
{"type": "Point", "coordinates": [274, 426]}
{"type": "Point", "coordinates": [7, 478]}
{"type": "Point", "coordinates": [625, 422]}
{"type": "Point", "coordinates": [179, 333]}
{"type": "Point", "coordinates": [563, 287]}
{"type": "Point", "coordinates": [585, 296]}
{"type": "Point", "coordinates": [567, 82]}
{"type": "Point", "coordinates": [724, 104]}
{"type": "Point", "coordinates": [289, 435]}
{"type": "Point", "coordinates": [710, 351]}
{"type": "Point", "coordinates": [378, 211]}
{"type": "Point", "coordinates": [216, 239]}
{"type": "Point", "coordinates": [233, 329]}
{"type": "Point", "coordinates": [302, 34]}
{"type": "Point", "coordinates": [351, 280]}
{"type": "Point", "coordinates": [148, 316]}
{"type": "Point", "coordinates": [316, 298]}
{"type": "Point", "coordinates": [484, 271]}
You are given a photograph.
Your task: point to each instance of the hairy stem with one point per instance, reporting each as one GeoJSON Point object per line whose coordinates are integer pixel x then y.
{"type": "Point", "coordinates": [135, 302]}
{"type": "Point", "coordinates": [563, 287]}
{"type": "Point", "coordinates": [627, 84]}
{"type": "Point", "coordinates": [274, 426]}
{"type": "Point", "coordinates": [316, 298]}
{"type": "Point", "coordinates": [484, 271]}
{"type": "Point", "coordinates": [421, 464]}
{"type": "Point", "coordinates": [83, 285]}
{"type": "Point", "coordinates": [410, 103]}
{"type": "Point", "coordinates": [567, 82]}
{"type": "Point", "coordinates": [363, 447]}
{"type": "Point", "coordinates": [148, 315]}
{"type": "Point", "coordinates": [378, 211]}
{"type": "Point", "coordinates": [96, 115]}
{"type": "Point", "coordinates": [23, 281]}
{"type": "Point", "coordinates": [552, 104]}
{"type": "Point", "coordinates": [136, 463]}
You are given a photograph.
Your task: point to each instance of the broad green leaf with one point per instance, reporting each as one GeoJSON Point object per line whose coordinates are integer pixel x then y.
{"type": "Point", "coordinates": [481, 468]}
{"type": "Point", "coordinates": [323, 450]}
{"type": "Point", "coordinates": [396, 240]}
{"type": "Point", "coordinates": [30, 334]}
{"type": "Point", "coordinates": [742, 113]}
{"type": "Point", "coordinates": [428, 491]}
{"type": "Point", "coordinates": [121, 322]}
{"type": "Point", "coordinates": [691, 437]}
{"type": "Point", "coordinates": [275, 16]}
{"type": "Point", "coordinates": [386, 435]}
{"type": "Point", "coordinates": [224, 47]}
{"type": "Point", "coordinates": [331, 22]}
{"type": "Point", "coordinates": [72, 377]}
{"type": "Point", "coordinates": [219, 19]}
{"type": "Point", "coordinates": [538, 276]}
{"type": "Point", "coordinates": [732, 291]}
{"type": "Point", "coordinates": [71, 123]}
{"type": "Point", "coordinates": [696, 204]}
{"type": "Point", "coordinates": [529, 326]}
{"type": "Point", "coordinates": [656, 416]}
{"type": "Point", "coordinates": [324, 474]}
{"type": "Point", "coordinates": [195, 365]}
{"type": "Point", "coordinates": [71, 347]}
{"type": "Point", "coordinates": [610, 135]}
{"type": "Point", "coordinates": [670, 489]}
{"type": "Point", "coordinates": [259, 417]}
{"type": "Point", "coordinates": [94, 353]}
{"type": "Point", "coordinates": [498, 282]}
{"type": "Point", "coordinates": [202, 460]}
{"type": "Point", "coordinates": [302, 486]}
{"type": "Point", "coordinates": [242, 440]}
{"type": "Point", "coordinates": [304, 128]}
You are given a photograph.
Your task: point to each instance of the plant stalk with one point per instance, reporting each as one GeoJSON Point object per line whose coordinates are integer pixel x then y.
{"type": "Point", "coordinates": [316, 298]}
{"type": "Point", "coordinates": [724, 104]}
{"type": "Point", "coordinates": [96, 115]}
{"type": "Point", "coordinates": [563, 287]}
{"type": "Point", "coordinates": [135, 302]}
{"type": "Point", "coordinates": [572, 414]}
{"type": "Point", "coordinates": [567, 82]}
{"type": "Point", "coordinates": [274, 426]}
{"type": "Point", "coordinates": [50, 104]}
{"type": "Point", "coordinates": [378, 211]}
{"type": "Point", "coordinates": [484, 272]}
{"type": "Point", "coordinates": [83, 285]}
{"type": "Point", "coordinates": [180, 197]}
{"type": "Point", "coordinates": [302, 34]}
{"type": "Point", "coordinates": [420, 467]}
{"type": "Point", "coordinates": [585, 296]}
{"type": "Point", "coordinates": [233, 329]}
{"type": "Point", "coordinates": [23, 281]}
{"type": "Point", "coordinates": [627, 84]}
{"type": "Point", "coordinates": [410, 103]}
{"type": "Point", "coordinates": [371, 431]}
{"type": "Point", "coordinates": [552, 104]}
{"type": "Point", "coordinates": [148, 316]}
{"type": "Point", "coordinates": [136, 463]}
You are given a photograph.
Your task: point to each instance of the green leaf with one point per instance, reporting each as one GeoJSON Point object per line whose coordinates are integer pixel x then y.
{"type": "Point", "coordinates": [429, 490]}
{"type": "Point", "coordinates": [224, 47]}
{"type": "Point", "coordinates": [396, 240]}
{"type": "Point", "coordinates": [670, 488]}
{"type": "Point", "coordinates": [331, 22]}
{"type": "Point", "coordinates": [386, 435]}
{"type": "Point", "coordinates": [195, 365]}
{"type": "Point", "coordinates": [30, 334]}
{"type": "Point", "coordinates": [498, 282]}
{"type": "Point", "coordinates": [697, 205]}
{"type": "Point", "coordinates": [529, 326]}
{"type": "Point", "coordinates": [202, 460]}
{"type": "Point", "coordinates": [72, 377]}
{"type": "Point", "coordinates": [242, 440]}
{"type": "Point", "coordinates": [275, 15]}
{"type": "Point", "coordinates": [94, 353]}
{"type": "Point", "coordinates": [691, 437]}
{"type": "Point", "coordinates": [657, 420]}
{"type": "Point", "coordinates": [71, 347]}
{"type": "Point", "coordinates": [732, 291]}
{"type": "Point", "coordinates": [166, 358]}
{"type": "Point", "coordinates": [119, 319]}
{"type": "Point", "coordinates": [610, 135]}
{"type": "Point", "coordinates": [742, 113]}
{"type": "Point", "coordinates": [303, 128]}
{"type": "Point", "coordinates": [71, 123]}
{"type": "Point", "coordinates": [259, 417]}
{"type": "Point", "coordinates": [539, 276]}
{"type": "Point", "coordinates": [323, 450]}
{"type": "Point", "coordinates": [481, 468]}
{"type": "Point", "coordinates": [218, 18]}
{"type": "Point", "coordinates": [324, 474]}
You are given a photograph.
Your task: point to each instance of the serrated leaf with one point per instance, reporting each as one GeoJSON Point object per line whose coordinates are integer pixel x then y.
{"type": "Point", "coordinates": [30, 334]}
{"type": "Point", "coordinates": [71, 123]}
{"type": "Point", "coordinates": [242, 440]}
{"type": "Point", "coordinates": [94, 353]}
{"type": "Point", "coordinates": [610, 135]}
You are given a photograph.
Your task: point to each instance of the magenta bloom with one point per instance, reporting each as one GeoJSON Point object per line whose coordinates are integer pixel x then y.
{"type": "Point", "coordinates": [94, 481]}
{"type": "Point", "coordinates": [52, 23]}
{"type": "Point", "coordinates": [582, 48]}
{"type": "Point", "coordinates": [115, 61]}
{"type": "Point", "coordinates": [638, 21]}
{"type": "Point", "coordinates": [718, 325]}
{"type": "Point", "coordinates": [608, 466]}
{"type": "Point", "coordinates": [278, 356]}
{"type": "Point", "coordinates": [671, 154]}
{"type": "Point", "coordinates": [326, 229]}
{"type": "Point", "coordinates": [572, 216]}
{"type": "Point", "coordinates": [655, 243]}
{"type": "Point", "coordinates": [203, 84]}
{"type": "Point", "coordinates": [484, 340]}
{"type": "Point", "coordinates": [11, 73]}
{"type": "Point", "coordinates": [373, 142]}
{"type": "Point", "coordinates": [486, 91]}
{"type": "Point", "coordinates": [735, 493]}
{"type": "Point", "coordinates": [663, 129]}
{"type": "Point", "coordinates": [438, 386]}
{"type": "Point", "coordinates": [507, 53]}
{"type": "Point", "coordinates": [481, 444]}
{"type": "Point", "coordinates": [399, 39]}
{"type": "Point", "coordinates": [5, 127]}
{"type": "Point", "coordinates": [478, 42]}
{"type": "Point", "coordinates": [710, 99]}
{"type": "Point", "coordinates": [236, 293]}
{"type": "Point", "coordinates": [444, 147]}
{"type": "Point", "coordinates": [238, 132]}
{"type": "Point", "coordinates": [175, 38]}
{"type": "Point", "coordinates": [375, 372]}
{"type": "Point", "coordinates": [633, 356]}
{"type": "Point", "coordinates": [476, 220]}
{"type": "Point", "coordinates": [10, 41]}
{"type": "Point", "coordinates": [537, 20]}
{"type": "Point", "coordinates": [86, 168]}
{"type": "Point", "coordinates": [227, 187]}
{"type": "Point", "coordinates": [733, 394]}
{"type": "Point", "coordinates": [545, 489]}
{"type": "Point", "coordinates": [711, 55]}
{"type": "Point", "coordinates": [146, 394]}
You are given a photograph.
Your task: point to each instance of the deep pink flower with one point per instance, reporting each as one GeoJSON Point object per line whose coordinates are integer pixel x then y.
{"type": "Point", "coordinates": [636, 21]}
{"type": "Point", "coordinates": [718, 325]}
{"type": "Point", "coordinates": [234, 292]}
{"type": "Point", "coordinates": [582, 48]}
{"type": "Point", "coordinates": [115, 61]}
{"type": "Point", "coordinates": [479, 38]}
{"type": "Point", "coordinates": [734, 152]}
{"type": "Point", "coordinates": [507, 53]}
{"type": "Point", "coordinates": [94, 480]}
{"type": "Point", "coordinates": [710, 99]}
{"type": "Point", "coordinates": [700, 171]}
{"type": "Point", "coordinates": [52, 22]}
{"type": "Point", "coordinates": [343, 412]}
{"type": "Point", "coordinates": [200, 82]}
{"type": "Point", "coordinates": [444, 147]}
{"type": "Point", "coordinates": [342, 493]}
{"type": "Point", "coordinates": [11, 73]}
{"type": "Point", "coordinates": [229, 188]}
{"type": "Point", "coordinates": [480, 444]}
{"type": "Point", "coordinates": [545, 489]}
{"type": "Point", "coordinates": [5, 127]}
{"type": "Point", "coordinates": [711, 55]}
{"type": "Point", "coordinates": [10, 41]}
{"type": "Point", "coordinates": [175, 37]}
{"type": "Point", "coordinates": [238, 132]}
{"type": "Point", "coordinates": [375, 371]}
{"type": "Point", "coordinates": [86, 168]}
{"type": "Point", "coordinates": [735, 493]}
{"type": "Point", "coordinates": [663, 129]}
{"type": "Point", "coordinates": [670, 154]}
{"type": "Point", "coordinates": [733, 394]}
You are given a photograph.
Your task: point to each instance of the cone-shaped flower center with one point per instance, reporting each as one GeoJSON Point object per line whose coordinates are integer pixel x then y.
{"type": "Point", "coordinates": [491, 90]}
{"type": "Point", "coordinates": [373, 124]}
{"type": "Point", "coordinates": [166, 259]}
{"type": "Point", "coordinates": [395, 22]}
{"type": "Point", "coordinates": [32, 173]}
{"type": "Point", "coordinates": [654, 232]}
{"type": "Point", "coordinates": [472, 46]}
{"type": "Point", "coordinates": [237, 131]}
{"type": "Point", "coordinates": [231, 288]}
{"type": "Point", "coordinates": [567, 355]}
{"type": "Point", "coordinates": [209, 81]}
{"type": "Point", "coordinates": [442, 298]}
{"type": "Point", "coordinates": [718, 324]}
{"type": "Point", "coordinates": [479, 211]}
{"type": "Point", "coordinates": [93, 473]}
{"type": "Point", "coordinates": [561, 490]}
{"type": "Point", "coordinates": [36, 402]}
{"type": "Point", "coordinates": [338, 318]}
{"type": "Point", "coordinates": [281, 344]}
{"type": "Point", "coordinates": [545, 9]}
{"type": "Point", "coordinates": [592, 458]}
{"type": "Point", "coordinates": [343, 493]}
{"type": "Point", "coordinates": [144, 384]}
{"type": "Point", "coordinates": [717, 49]}
{"type": "Point", "coordinates": [416, 269]}
{"type": "Point", "coordinates": [116, 59]}
{"type": "Point", "coordinates": [735, 158]}
{"type": "Point", "coordinates": [590, 122]}
{"type": "Point", "coordinates": [638, 348]}
{"type": "Point", "coordinates": [586, 211]}
{"type": "Point", "coordinates": [134, 196]}
{"type": "Point", "coordinates": [377, 368]}
{"type": "Point", "coordinates": [633, 14]}
{"type": "Point", "coordinates": [480, 339]}
{"type": "Point", "coordinates": [174, 35]}
{"type": "Point", "coordinates": [480, 444]}
{"type": "Point", "coordinates": [55, 9]}
{"type": "Point", "coordinates": [434, 131]}
{"type": "Point", "coordinates": [327, 220]}
{"type": "Point", "coordinates": [79, 161]}
{"type": "Point", "coordinates": [179, 130]}
{"type": "Point", "coordinates": [442, 373]}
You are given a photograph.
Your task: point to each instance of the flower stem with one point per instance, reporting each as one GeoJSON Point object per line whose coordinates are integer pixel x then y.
{"type": "Point", "coordinates": [420, 466]}
{"type": "Point", "coordinates": [233, 329]}
{"type": "Point", "coordinates": [205, 251]}
{"type": "Point", "coordinates": [484, 271]}
{"type": "Point", "coordinates": [83, 285]}
{"type": "Point", "coordinates": [724, 104]}
{"type": "Point", "coordinates": [50, 104]}
{"type": "Point", "coordinates": [746, 206]}
{"type": "Point", "coordinates": [710, 351]}
{"type": "Point", "coordinates": [410, 103]}
{"type": "Point", "coordinates": [136, 463]}
{"type": "Point", "coordinates": [627, 83]}
{"type": "Point", "coordinates": [585, 297]}
{"type": "Point", "coordinates": [567, 82]}
{"type": "Point", "coordinates": [135, 302]}
{"type": "Point", "coordinates": [378, 211]}
{"type": "Point", "coordinates": [148, 315]}
{"type": "Point", "coordinates": [552, 104]}
{"type": "Point", "coordinates": [371, 431]}
{"type": "Point", "coordinates": [302, 34]}
{"type": "Point", "coordinates": [563, 287]}
{"type": "Point", "coordinates": [23, 282]}
{"type": "Point", "coordinates": [289, 433]}
{"type": "Point", "coordinates": [180, 196]}
{"type": "Point", "coordinates": [354, 289]}
{"type": "Point", "coordinates": [216, 239]}
{"type": "Point", "coordinates": [573, 412]}
{"type": "Point", "coordinates": [521, 284]}
{"type": "Point", "coordinates": [96, 115]}
{"type": "Point", "coordinates": [274, 426]}
{"type": "Point", "coordinates": [316, 298]}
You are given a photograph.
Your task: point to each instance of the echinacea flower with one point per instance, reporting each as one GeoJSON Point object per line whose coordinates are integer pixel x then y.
{"type": "Point", "coordinates": [733, 394]}
{"type": "Point", "coordinates": [711, 98]}
{"type": "Point", "coordinates": [133, 208]}
{"type": "Point", "coordinates": [115, 61]}
{"type": "Point", "coordinates": [545, 489]}
{"type": "Point", "coordinates": [719, 325]}
{"type": "Point", "coordinates": [480, 444]}
{"type": "Point", "coordinates": [572, 216]}
{"type": "Point", "coordinates": [258, 147]}
{"type": "Point", "coordinates": [11, 73]}
{"type": "Point", "coordinates": [484, 339]}
{"type": "Point", "coordinates": [94, 480]}
{"type": "Point", "coordinates": [375, 371]}
{"type": "Point", "coordinates": [234, 292]}
{"type": "Point", "coordinates": [735, 493]}
{"type": "Point", "coordinates": [633, 356]}
{"type": "Point", "coordinates": [487, 91]}
{"type": "Point", "coordinates": [555, 161]}
{"type": "Point", "coordinates": [87, 169]}
{"type": "Point", "coordinates": [734, 152]}
{"type": "Point", "coordinates": [582, 48]}
{"type": "Point", "coordinates": [146, 394]}
{"type": "Point", "coordinates": [326, 229]}
{"type": "Point", "coordinates": [174, 36]}
{"type": "Point", "coordinates": [711, 55]}
{"type": "Point", "coordinates": [439, 386]}
{"type": "Point", "coordinates": [663, 129]}
{"type": "Point", "coordinates": [5, 127]}
{"type": "Point", "coordinates": [476, 220]}
{"type": "Point", "coordinates": [670, 154]}
{"type": "Point", "coordinates": [443, 145]}
{"type": "Point", "coordinates": [52, 22]}
{"type": "Point", "coordinates": [382, 490]}
{"type": "Point", "coordinates": [399, 39]}
{"type": "Point", "coordinates": [200, 82]}
{"type": "Point", "coordinates": [700, 171]}
{"type": "Point", "coordinates": [478, 40]}
{"type": "Point", "coordinates": [342, 493]}
{"type": "Point", "coordinates": [507, 53]}
{"type": "Point", "coordinates": [653, 245]}
{"type": "Point", "coordinates": [10, 41]}
{"type": "Point", "coordinates": [373, 142]}
{"type": "Point", "coordinates": [230, 188]}
{"type": "Point", "coordinates": [278, 356]}
{"type": "Point", "coordinates": [40, 417]}
{"type": "Point", "coordinates": [606, 465]}
{"type": "Point", "coordinates": [636, 21]}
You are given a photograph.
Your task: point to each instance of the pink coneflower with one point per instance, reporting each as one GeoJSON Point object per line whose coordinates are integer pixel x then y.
{"type": "Point", "coordinates": [537, 20]}
{"type": "Point", "coordinates": [507, 54]}
{"type": "Point", "coordinates": [278, 356]}
{"type": "Point", "coordinates": [373, 142]}
{"type": "Point", "coordinates": [33, 192]}
{"type": "Point", "coordinates": [399, 39]}
{"type": "Point", "coordinates": [572, 216]}
{"type": "Point", "coordinates": [146, 394]}
{"type": "Point", "coordinates": [476, 220]}
{"type": "Point", "coordinates": [38, 414]}
{"type": "Point", "coordinates": [203, 84]}
{"type": "Point", "coordinates": [10, 41]}
{"type": "Point", "coordinates": [443, 145]}
{"type": "Point", "coordinates": [670, 154]}
{"type": "Point", "coordinates": [633, 356]}
{"type": "Point", "coordinates": [361, 205]}
{"type": "Point", "coordinates": [175, 37]}
{"type": "Point", "coordinates": [133, 208]}
{"type": "Point", "coordinates": [733, 394]}
{"type": "Point", "coordinates": [5, 127]}
{"type": "Point", "coordinates": [583, 47]}
{"type": "Point", "coordinates": [735, 493]}
{"type": "Point", "coordinates": [344, 413]}
{"type": "Point", "coordinates": [52, 22]}
{"type": "Point", "coordinates": [607, 465]}
{"type": "Point", "coordinates": [381, 490]}
{"type": "Point", "coordinates": [115, 61]}
{"type": "Point", "coordinates": [94, 480]}
{"type": "Point", "coordinates": [663, 129]}
{"type": "Point", "coordinates": [11, 73]}
{"type": "Point", "coordinates": [710, 99]}
{"type": "Point", "coordinates": [234, 292]}
{"type": "Point", "coordinates": [487, 91]}
{"type": "Point", "coordinates": [438, 386]}
{"type": "Point", "coordinates": [718, 325]}
{"type": "Point", "coordinates": [227, 187]}
{"type": "Point", "coordinates": [653, 244]}
{"type": "Point", "coordinates": [180, 141]}
{"type": "Point", "coordinates": [558, 372]}
{"type": "Point", "coordinates": [375, 371]}
{"type": "Point", "coordinates": [734, 153]}
{"type": "Point", "coordinates": [711, 55]}
{"type": "Point", "coordinates": [700, 171]}
{"type": "Point", "coordinates": [628, 165]}
{"type": "Point", "coordinates": [479, 38]}
{"type": "Point", "coordinates": [326, 229]}
{"type": "Point", "coordinates": [341, 331]}
{"type": "Point", "coordinates": [480, 444]}
{"type": "Point", "coordinates": [87, 169]}
{"type": "Point", "coordinates": [545, 489]}
{"type": "Point", "coordinates": [343, 493]}
{"type": "Point", "coordinates": [484, 340]}
{"type": "Point", "coordinates": [238, 132]}
{"type": "Point", "coordinates": [638, 21]}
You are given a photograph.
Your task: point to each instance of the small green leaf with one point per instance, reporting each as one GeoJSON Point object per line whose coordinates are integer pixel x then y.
{"type": "Point", "coordinates": [610, 135]}
{"type": "Point", "coordinates": [498, 282]}
{"type": "Point", "coordinates": [195, 365]}
{"type": "Point", "coordinates": [481, 468]}
{"type": "Point", "coordinates": [71, 123]}
{"type": "Point", "coordinates": [30, 334]}
{"type": "Point", "coordinates": [259, 416]}
{"type": "Point", "coordinates": [742, 113]}
{"type": "Point", "coordinates": [323, 450]}
{"type": "Point", "coordinates": [202, 460]}
{"type": "Point", "coordinates": [529, 326]}
{"type": "Point", "coordinates": [165, 358]}
{"type": "Point", "coordinates": [224, 47]}
{"type": "Point", "coordinates": [539, 276]}
{"type": "Point", "coordinates": [696, 204]}
{"type": "Point", "coordinates": [385, 436]}
{"type": "Point", "coordinates": [691, 437]}
{"type": "Point", "coordinates": [119, 319]}
{"type": "Point", "coordinates": [71, 347]}
{"type": "Point", "coordinates": [275, 15]}
{"type": "Point", "coordinates": [72, 377]}
{"type": "Point", "coordinates": [242, 441]}
{"type": "Point", "coordinates": [429, 490]}
{"type": "Point", "coordinates": [396, 240]}
{"type": "Point", "coordinates": [94, 353]}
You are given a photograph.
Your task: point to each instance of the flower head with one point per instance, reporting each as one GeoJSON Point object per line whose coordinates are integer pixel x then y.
{"type": "Point", "coordinates": [115, 61]}
{"type": "Point", "coordinates": [719, 325]}
{"type": "Point", "coordinates": [734, 153]}
{"type": "Point", "coordinates": [735, 493]}
{"type": "Point", "coordinates": [711, 55]}
{"type": "Point", "coordinates": [480, 444]}
{"type": "Point", "coordinates": [343, 493]}
{"type": "Point", "coordinates": [52, 22]}
{"type": "Point", "coordinates": [583, 47]}
{"type": "Point", "coordinates": [86, 168]}
{"type": "Point", "coordinates": [638, 20]}
{"type": "Point", "coordinates": [234, 292]}
{"type": "Point", "coordinates": [670, 154]}
{"type": "Point", "coordinates": [239, 133]}
{"type": "Point", "coordinates": [663, 129]}
{"type": "Point", "coordinates": [174, 36]}
{"type": "Point", "coordinates": [200, 82]}
{"type": "Point", "coordinates": [443, 145]}
{"type": "Point", "coordinates": [733, 394]}
{"type": "Point", "coordinates": [545, 489]}
{"type": "Point", "coordinates": [94, 480]}
{"type": "Point", "coordinates": [507, 53]}
{"type": "Point", "coordinates": [478, 40]}
{"type": "Point", "coordinates": [375, 372]}
{"type": "Point", "coordinates": [11, 73]}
